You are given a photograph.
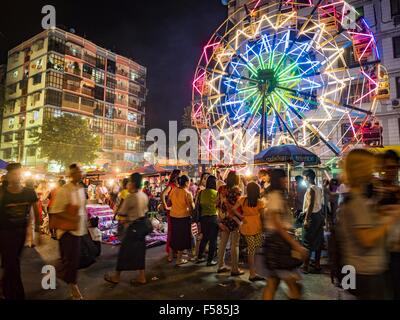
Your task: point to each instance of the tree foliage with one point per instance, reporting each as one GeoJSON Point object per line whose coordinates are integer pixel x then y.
{"type": "Point", "coordinates": [68, 139]}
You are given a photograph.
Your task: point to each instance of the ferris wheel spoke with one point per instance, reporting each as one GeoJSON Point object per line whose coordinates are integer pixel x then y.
{"type": "Point", "coordinates": [309, 126]}
{"type": "Point", "coordinates": [348, 106]}
{"type": "Point", "coordinates": [282, 121]}
{"type": "Point", "coordinates": [297, 36]}
{"type": "Point", "coordinates": [229, 75]}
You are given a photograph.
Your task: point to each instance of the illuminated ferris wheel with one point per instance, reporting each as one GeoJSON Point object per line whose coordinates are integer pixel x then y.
{"type": "Point", "coordinates": [307, 73]}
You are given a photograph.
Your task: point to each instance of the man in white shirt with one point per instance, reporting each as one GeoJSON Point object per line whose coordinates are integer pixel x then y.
{"type": "Point", "coordinates": [72, 194]}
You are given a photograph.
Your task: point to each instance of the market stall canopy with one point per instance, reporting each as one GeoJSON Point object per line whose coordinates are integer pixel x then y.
{"type": "Point", "coordinates": [151, 170]}
{"type": "Point", "coordinates": [287, 153]}
{"type": "Point", "coordinates": [3, 164]}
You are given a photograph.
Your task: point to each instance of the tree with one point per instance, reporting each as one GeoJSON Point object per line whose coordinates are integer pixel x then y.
{"type": "Point", "coordinates": [68, 139]}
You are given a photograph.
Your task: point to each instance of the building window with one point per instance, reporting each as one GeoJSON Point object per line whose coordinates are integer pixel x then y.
{"type": "Point", "coordinates": [110, 112]}
{"type": "Point", "coordinates": [31, 151]}
{"type": "Point", "coordinates": [56, 62]}
{"type": "Point", "coordinates": [99, 76]}
{"type": "Point", "coordinates": [37, 78]}
{"type": "Point", "coordinates": [19, 136]}
{"type": "Point", "coordinates": [111, 82]}
{"type": "Point", "coordinates": [395, 7]}
{"type": "Point", "coordinates": [99, 93]}
{"type": "Point", "coordinates": [35, 98]}
{"type": "Point", "coordinates": [98, 109]}
{"type": "Point", "coordinates": [71, 98]}
{"type": "Point", "coordinates": [110, 96]}
{"type": "Point", "coordinates": [8, 137]}
{"type": "Point", "coordinates": [87, 71]}
{"type": "Point", "coordinates": [111, 66]}
{"type": "Point", "coordinates": [87, 102]}
{"type": "Point", "coordinates": [53, 98]}
{"type": "Point", "coordinates": [100, 62]}
{"type": "Point", "coordinates": [12, 88]}
{"type": "Point", "coordinates": [96, 125]}
{"type": "Point", "coordinates": [396, 47]}
{"type": "Point", "coordinates": [108, 142]}
{"type": "Point", "coordinates": [56, 44]}
{"type": "Point", "coordinates": [108, 126]}
{"type": "Point", "coordinates": [7, 153]}
{"type": "Point", "coordinates": [54, 80]}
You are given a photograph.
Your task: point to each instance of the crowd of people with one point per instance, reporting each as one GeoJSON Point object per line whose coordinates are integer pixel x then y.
{"type": "Point", "coordinates": [355, 219]}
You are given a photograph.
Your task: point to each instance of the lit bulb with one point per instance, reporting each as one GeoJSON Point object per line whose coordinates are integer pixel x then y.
{"type": "Point", "coordinates": [27, 174]}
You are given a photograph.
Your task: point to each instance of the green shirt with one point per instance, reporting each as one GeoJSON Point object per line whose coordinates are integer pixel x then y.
{"type": "Point", "coordinates": [208, 202]}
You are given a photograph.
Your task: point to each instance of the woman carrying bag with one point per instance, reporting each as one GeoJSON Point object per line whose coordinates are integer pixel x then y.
{"type": "Point", "coordinates": [206, 211]}
{"type": "Point", "coordinates": [132, 254]}
{"type": "Point", "coordinates": [283, 254]}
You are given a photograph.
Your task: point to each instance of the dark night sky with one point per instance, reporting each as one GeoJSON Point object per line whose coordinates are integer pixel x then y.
{"type": "Point", "coordinates": [165, 36]}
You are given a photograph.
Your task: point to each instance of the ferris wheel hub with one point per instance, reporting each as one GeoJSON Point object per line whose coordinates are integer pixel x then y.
{"type": "Point", "coordinates": [267, 81]}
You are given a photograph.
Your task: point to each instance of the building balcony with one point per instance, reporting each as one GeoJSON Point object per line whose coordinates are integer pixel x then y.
{"type": "Point", "coordinates": [122, 88]}
{"type": "Point", "coordinates": [70, 104]}
{"type": "Point", "coordinates": [87, 91]}
{"type": "Point", "coordinates": [89, 59]}
{"type": "Point", "coordinates": [76, 72]}
{"type": "Point", "coordinates": [123, 73]}
{"type": "Point", "coordinates": [73, 52]}
{"type": "Point", "coordinates": [87, 75]}
{"type": "Point", "coordinates": [72, 87]}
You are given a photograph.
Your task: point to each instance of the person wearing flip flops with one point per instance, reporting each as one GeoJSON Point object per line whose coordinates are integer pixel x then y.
{"type": "Point", "coordinates": [180, 215]}
{"type": "Point", "coordinates": [251, 207]}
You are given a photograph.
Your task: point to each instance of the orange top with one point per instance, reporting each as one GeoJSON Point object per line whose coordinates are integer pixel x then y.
{"type": "Point", "coordinates": [181, 200]}
{"type": "Point", "coordinates": [251, 217]}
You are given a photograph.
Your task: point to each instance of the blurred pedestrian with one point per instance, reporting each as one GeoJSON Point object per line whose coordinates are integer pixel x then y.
{"type": "Point", "coordinates": [208, 221]}
{"type": "Point", "coordinates": [132, 253]}
{"type": "Point", "coordinates": [30, 230]}
{"type": "Point", "coordinates": [362, 230]}
{"type": "Point", "coordinates": [283, 254]}
{"type": "Point", "coordinates": [313, 227]}
{"type": "Point", "coordinates": [250, 207]}
{"type": "Point", "coordinates": [16, 202]}
{"type": "Point", "coordinates": [390, 195]}
{"type": "Point", "coordinates": [264, 181]}
{"type": "Point", "coordinates": [172, 184]}
{"type": "Point", "coordinates": [229, 224]}
{"type": "Point", "coordinates": [299, 191]}
{"type": "Point", "coordinates": [182, 206]}
{"type": "Point", "coordinates": [102, 194]}
{"type": "Point", "coordinates": [70, 205]}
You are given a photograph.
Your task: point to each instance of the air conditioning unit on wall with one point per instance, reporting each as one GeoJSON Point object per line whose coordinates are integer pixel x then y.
{"type": "Point", "coordinates": [396, 104]}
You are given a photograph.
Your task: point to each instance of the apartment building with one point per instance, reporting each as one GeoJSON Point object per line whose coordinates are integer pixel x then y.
{"type": "Point", "coordinates": [59, 72]}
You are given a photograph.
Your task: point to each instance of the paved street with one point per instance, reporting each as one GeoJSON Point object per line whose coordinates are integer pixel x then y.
{"type": "Point", "coordinates": [169, 282]}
